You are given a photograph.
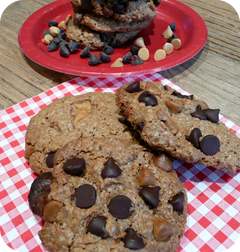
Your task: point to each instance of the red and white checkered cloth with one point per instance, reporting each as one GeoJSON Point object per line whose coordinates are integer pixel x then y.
{"type": "Point", "coordinates": [213, 222]}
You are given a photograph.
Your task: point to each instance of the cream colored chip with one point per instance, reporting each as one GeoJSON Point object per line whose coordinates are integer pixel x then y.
{"type": "Point", "coordinates": [160, 54]}
{"type": "Point", "coordinates": [68, 18]}
{"type": "Point", "coordinates": [54, 31]}
{"type": "Point", "coordinates": [139, 42]}
{"type": "Point", "coordinates": [47, 38]}
{"type": "Point", "coordinates": [117, 63]}
{"type": "Point", "coordinates": [168, 48]}
{"type": "Point", "coordinates": [143, 53]}
{"type": "Point", "coordinates": [168, 33]}
{"type": "Point", "coordinates": [62, 25]}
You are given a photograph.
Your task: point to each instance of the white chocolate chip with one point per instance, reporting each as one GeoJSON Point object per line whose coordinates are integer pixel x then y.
{"type": "Point", "coordinates": [176, 43]}
{"type": "Point", "coordinates": [143, 53]}
{"type": "Point", "coordinates": [139, 42]}
{"type": "Point", "coordinates": [168, 32]}
{"type": "Point", "coordinates": [117, 63]}
{"type": "Point", "coordinates": [159, 55]}
{"type": "Point", "coordinates": [54, 31]}
{"type": "Point", "coordinates": [47, 38]}
{"type": "Point", "coordinates": [62, 25]}
{"type": "Point", "coordinates": [168, 48]}
{"type": "Point", "coordinates": [68, 18]}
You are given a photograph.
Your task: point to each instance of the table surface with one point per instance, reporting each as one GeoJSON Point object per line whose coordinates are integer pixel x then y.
{"type": "Point", "coordinates": [213, 75]}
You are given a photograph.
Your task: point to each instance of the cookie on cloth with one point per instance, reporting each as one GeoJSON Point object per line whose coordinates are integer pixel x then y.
{"type": "Point", "coordinates": [126, 11]}
{"type": "Point", "coordinates": [181, 125]}
{"type": "Point", "coordinates": [91, 114]}
{"type": "Point", "coordinates": [112, 195]}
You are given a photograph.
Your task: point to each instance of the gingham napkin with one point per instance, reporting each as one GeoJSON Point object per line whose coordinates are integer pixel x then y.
{"type": "Point", "coordinates": [213, 222]}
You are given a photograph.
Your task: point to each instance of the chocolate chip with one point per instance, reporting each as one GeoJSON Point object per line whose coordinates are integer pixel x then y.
{"type": "Point", "coordinates": [108, 50]}
{"type": "Point", "coordinates": [46, 32]}
{"type": "Point", "coordinates": [120, 207]}
{"type": "Point", "coordinates": [73, 47]}
{"type": "Point", "coordinates": [134, 49]}
{"type": "Point", "coordinates": [93, 60]}
{"type": "Point", "coordinates": [59, 38]}
{"type": "Point", "coordinates": [194, 137]}
{"type": "Point", "coordinates": [140, 125]}
{"type": "Point", "coordinates": [127, 58]}
{"type": "Point", "coordinates": [74, 166]}
{"type": "Point", "coordinates": [86, 5]}
{"type": "Point", "coordinates": [132, 240]}
{"type": "Point", "coordinates": [119, 8]}
{"type": "Point", "coordinates": [137, 61]}
{"type": "Point", "coordinates": [133, 87]}
{"type": "Point", "coordinates": [165, 88]}
{"type": "Point", "coordinates": [52, 46]}
{"type": "Point", "coordinates": [179, 95]}
{"type": "Point", "coordinates": [199, 113]}
{"type": "Point", "coordinates": [173, 26]}
{"type": "Point", "coordinates": [104, 57]}
{"type": "Point", "coordinates": [174, 36]}
{"type": "Point", "coordinates": [148, 98]}
{"type": "Point", "coordinates": [85, 53]}
{"type": "Point", "coordinates": [50, 159]}
{"type": "Point", "coordinates": [150, 195]}
{"type": "Point", "coordinates": [177, 202]}
{"type": "Point", "coordinates": [52, 23]}
{"type": "Point", "coordinates": [104, 37]}
{"type": "Point", "coordinates": [111, 169]}
{"type": "Point", "coordinates": [212, 114]}
{"type": "Point", "coordinates": [63, 50]}
{"type": "Point", "coordinates": [85, 196]}
{"type": "Point", "coordinates": [115, 43]}
{"type": "Point", "coordinates": [210, 145]}
{"type": "Point", "coordinates": [97, 227]}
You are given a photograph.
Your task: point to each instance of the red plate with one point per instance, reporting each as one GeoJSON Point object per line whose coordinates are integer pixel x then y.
{"type": "Point", "coordinates": [190, 28]}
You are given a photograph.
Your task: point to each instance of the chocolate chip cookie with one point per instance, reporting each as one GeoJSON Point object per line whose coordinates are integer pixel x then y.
{"type": "Point", "coordinates": [91, 114]}
{"type": "Point", "coordinates": [112, 195]}
{"type": "Point", "coordinates": [180, 124]}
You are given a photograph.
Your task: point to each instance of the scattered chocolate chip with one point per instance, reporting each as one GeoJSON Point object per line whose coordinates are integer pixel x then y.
{"type": "Point", "coordinates": [150, 195]}
{"type": "Point", "coordinates": [179, 95]}
{"type": "Point", "coordinates": [177, 202]}
{"type": "Point", "coordinates": [199, 113]}
{"type": "Point", "coordinates": [85, 53]}
{"type": "Point", "coordinates": [194, 137]}
{"type": "Point", "coordinates": [212, 114]}
{"type": "Point", "coordinates": [74, 166]}
{"type": "Point", "coordinates": [108, 50]}
{"type": "Point", "coordinates": [148, 98]}
{"type": "Point", "coordinates": [119, 8]}
{"type": "Point", "coordinates": [111, 169]}
{"type": "Point", "coordinates": [38, 194]}
{"type": "Point", "coordinates": [173, 26]}
{"type": "Point", "coordinates": [52, 23]}
{"type": "Point", "coordinates": [73, 47]}
{"type": "Point", "coordinates": [127, 58]}
{"type": "Point", "coordinates": [165, 88]}
{"type": "Point", "coordinates": [134, 49]}
{"type": "Point", "coordinates": [133, 87]}
{"type": "Point", "coordinates": [140, 125]}
{"type": "Point", "coordinates": [85, 196]}
{"type": "Point", "coordinates": [174, 36]}
{"type": "Point", "coordinates": [63, 50]}
{"type": "Point", "coordinates": [97, 227]}
{"type": "Point", "coordinates": [115, 43]}
{"type": "Point", "coordinates": [104, 37]}
{"type": "Point", "coordinates": [46, 32]}
{"type": "Point", "coordinates": [124, 121]}
{"type": "Point", "coordinates": [93, 60]}
{"type": "Point", "coordinates": [210, 145]}
{"type": "Point", "coordinates": [132, 240]}
{"type": "Point", "coordinates": [104, 57]}
{"type": "Point", "coordinates": [50, 159]}
{"type": "Point", "coordinates": [59, 38]}
{"type": "Point", "coordinates": [52, 46]}
{"type": "Point", "coordinates": [137, 61]}
{"type": "Point", "coordinates": [121, 207]}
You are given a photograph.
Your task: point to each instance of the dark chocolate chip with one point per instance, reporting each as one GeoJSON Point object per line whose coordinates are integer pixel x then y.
{"type": "Point", "coordinates": [140, 126]}
{"type": "Point", "coordinates": [179, 95]}
{"type": "Point", "coordinates": [86, 5]}
{"type": "Point", "coordinates": [104, 57]}
{"type": "Point", "coordinates": [121, 207]}
{"type": "Point", "coordinates": [85, 196]}
{"type": "Point", "coordinates": [133, 87]}
{"type": "Point", "coordinates": [174, 36]}
{"type": "Point", "coordinates": [97, 227]}
{"type": "Point", "coordinates": [63, 50]}
{"type": "Point", "coordinates": [177, 202]}
{"type": "Point", "coordinates": [50, 159]}
{"type": "Point", "coordinates": [194, 137]}
{"type": "Point", "coordinates": [58, 39]}
{"type": "Point", "coordinates": [199, 113]}
{"type": "Point", "coordinates": [137, 61]}
{"type": "Point", "coordinates": [150, 195]}
{"type": "Point", "coordinates": [73, 47]}
{"type": "Point", "coordinates": [85, 53]}
{"type": "Point", "coordinates": [165, 88]}
{"type": "Point", "coordinates": [173, 26]}
{"type": "Point", "coordinates": [119, 8]}
{"type": "Point", "coordinates": [134, 49]}
{"type": "Point", "coordinates": [210, 145]}
{"type": "Point", "coordinates": [124, 121]}
{"type": "Point", "coordinates": [212, 114]}
{"type": "Point", "coordinates": [52, 46]}
{"type": "Point", "coordinates": [108, 50]}
{"type": "Point", "coordinates": [52, 23]}
{"type": "Point", "coordinates": [46, 32]}
{"type": "Point", "coordinates": [93, 60]}
{"type": "Point", "coordinates": [104, 37]}
{"type": "Point", "coordinates": [74, 166]}
{"type": "Point", "coordinates": [127, 58]}
{"type": "Point", "coordinates": [111, 169]}
{"type": "Point", "coordinates": [148, 98]}
{"type": "Point", "coordinates": [132, 240]}
{"type": "Point", "coordinates": [115, 43]}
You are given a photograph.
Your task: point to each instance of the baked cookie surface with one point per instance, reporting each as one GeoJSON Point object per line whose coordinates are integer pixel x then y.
{"type": "Point", "coordinates": [91, 114]}
{"type": "Point", "coordinates": [181, 125]}
{"type": "Point", "coordinates": [117, 197]}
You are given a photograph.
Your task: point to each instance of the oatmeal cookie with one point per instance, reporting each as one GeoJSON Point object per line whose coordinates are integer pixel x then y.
{"type": "Point", "coordinates": [181, 125]}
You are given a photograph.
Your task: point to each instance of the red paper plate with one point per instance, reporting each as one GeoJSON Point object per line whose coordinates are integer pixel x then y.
{"type": "Point", "coordinates": [190, 28]}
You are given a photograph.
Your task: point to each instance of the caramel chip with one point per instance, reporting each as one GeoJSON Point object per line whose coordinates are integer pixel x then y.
{"type": "Point", "coordinates": [162, 229]}
{"type": "Point", "coordinates": [163, 162]}
{"type": "Point", "coordinates": [173, 106]}
{"type": "Point", "coordinates": [51, 209]}
{"type": "Point", "coordinates": [146, 177]}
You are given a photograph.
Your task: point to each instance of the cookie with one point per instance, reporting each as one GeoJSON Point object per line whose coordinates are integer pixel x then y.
{"type": "Point", "coordinates": [91, 114]}
{"type": "Point", "coordinates": [181, 125]}
{"type": "Point", "coordinates": [122, 198]}
{"type": "Point", "coordinates": [126, 11]}
{"type": "Point", "coordinates": [92, 39]}
{"type": "Point", "coordinates": [110, 25]}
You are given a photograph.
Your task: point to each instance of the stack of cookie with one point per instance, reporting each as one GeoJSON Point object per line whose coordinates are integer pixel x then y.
{"type": "Point", "coordinates": [113, 22]}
